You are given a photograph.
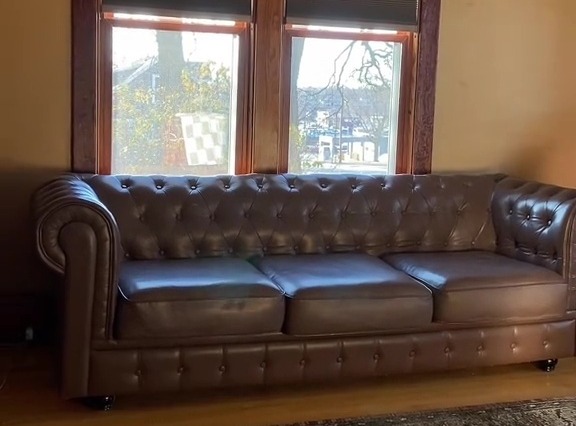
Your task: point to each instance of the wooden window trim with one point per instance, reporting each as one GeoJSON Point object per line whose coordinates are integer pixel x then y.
{"type": "Point", "coordinates": [424, 99]}
{"type": "Point", "coordinates": [259, 147]}
{"type": "Point", "coordinates": [85, 87]}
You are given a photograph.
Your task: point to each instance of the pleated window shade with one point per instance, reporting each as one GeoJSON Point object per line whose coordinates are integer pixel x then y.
{"type": "Point", "coordinates": [400, 15]}
{"type": "Point", "coordinates": [234, 10]}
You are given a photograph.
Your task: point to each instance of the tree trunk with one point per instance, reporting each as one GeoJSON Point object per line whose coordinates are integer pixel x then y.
{"type": "Point", "coordinates": [170, 67]}
{"type": "Point", "coordinates": [170, 59]}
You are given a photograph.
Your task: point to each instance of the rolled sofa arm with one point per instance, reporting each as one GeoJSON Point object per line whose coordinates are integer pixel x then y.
{"type": "Point", "coordinates": [77, 236]}
{"type": "Point", "coordinates": [535, 223]}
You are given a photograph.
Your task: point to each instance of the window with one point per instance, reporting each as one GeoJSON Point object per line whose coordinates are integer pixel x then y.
{"type": "Point", "coordinates": [345, 101]}
{"type": "Point", "coordinates": [174, 99]}
{"type": "Point", "coordinates": [240, 86]}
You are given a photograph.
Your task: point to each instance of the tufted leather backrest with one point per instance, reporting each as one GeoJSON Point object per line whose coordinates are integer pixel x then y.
{"type": "Point", "coordinates": [531, 221]}
{"type": "Point", "coordinates": [184, 217]}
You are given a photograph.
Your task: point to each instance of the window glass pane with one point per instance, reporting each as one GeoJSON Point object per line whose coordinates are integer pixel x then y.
{"type": "Point", "coordinates": [344, 106]}
{"type": "Point", "coordinates": [174, 102]}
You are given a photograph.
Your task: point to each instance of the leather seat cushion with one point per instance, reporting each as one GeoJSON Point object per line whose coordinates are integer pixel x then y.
{"type": "Point", "coordinates": [196, 297]}
{"type": "Point", "coordinates": [476, 286]}
{"type": "Point", "coordinates": [340, 293]}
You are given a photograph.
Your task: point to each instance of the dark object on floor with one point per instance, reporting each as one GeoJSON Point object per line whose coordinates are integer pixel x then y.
{"type": "Point", "coordinates": [543, 413]}
{"type": "Point", "coordinates": [548, 365]}
{"type": "Point", "coordinates": [101, 403]}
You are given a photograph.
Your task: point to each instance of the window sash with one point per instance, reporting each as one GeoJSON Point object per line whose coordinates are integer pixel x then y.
{"type": "Point", "coordinates": [241, 120]}
{"type": "Point", "coordinates": [404, 85]}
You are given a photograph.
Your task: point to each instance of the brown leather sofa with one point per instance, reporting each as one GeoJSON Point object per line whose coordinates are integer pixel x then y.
{"type": "Point", "coordinates": [184, 283]}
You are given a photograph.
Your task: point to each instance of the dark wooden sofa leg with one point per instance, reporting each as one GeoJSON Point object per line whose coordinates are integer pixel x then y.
{"type": "Point", "coordinates": [548, 365]}
{"type": "Point", "coordinates": [100, 403]}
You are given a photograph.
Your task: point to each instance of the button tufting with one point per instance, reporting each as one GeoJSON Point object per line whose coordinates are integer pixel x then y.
{"type": "Point", "coordinates": [260, 186]}
{"type": "Point", "coordinates": [513, 346]}
{"type": "Point", "coordinates": [353, 186]}
{"type": "Point", "coordinates": [126, 255]}
{"type": "Point", "coordinates": [545, 343]}
{"type": "Point", "coordinates": [302, 362]}
{"type": "Point", "coordinates": [376, 357]}
{"type": "Point", "coordinates": [447, 349]}
{"type": "Point", "coordinates": [311, 215]}
{"type": "Point", "coordinates": [412, 354]}
{"type": "Point", "coordinates": [197, 251]}
{"type": "Point", "coordinates": [527, 217]}
{"type": "Point", "coordinates": [226, 186]}
{"type": "Point", "coordinates": [138, 373]}
{"type": "Point", "coordinates": [510, 211]}
{"type": "Point", "coordinates": [549, 222]}
{"type": "Point", "coordinates": [180, 370]}
{"type": "Point", "coordinates": [373, 214]}
{"type": "Point", "coordinates": [246, 215]}
{"type": "Point", "coordinates": [480, 348]}
{"type": "Point", "coordinates": [323, 185]}
{"type": "Point", "coordinates": [222, 368]}
{"type": "Point", "coordinates": [291, 186]}
{"type": "Point", "coordinates": [124, 186]}
{"type": "Point", "coordinates": [193, 187]}
{"type": "Point", "coordinates": [159, 187]}
{"type": "Point", "coordinates": [279, 215]}
{"type": "Point", "coordinates": [339, 360]}
{"type": "Point", "coordinates": [162, 252]}
{"type": "Point", "coordinates": [263, 364]}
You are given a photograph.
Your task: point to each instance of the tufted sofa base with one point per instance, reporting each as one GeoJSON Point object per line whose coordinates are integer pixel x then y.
{"type": "Point", "coordinates": [130, 371]}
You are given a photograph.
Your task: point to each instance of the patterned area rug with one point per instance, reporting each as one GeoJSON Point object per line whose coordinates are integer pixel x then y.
{"type": "Point", "coordinates": [555, 412]}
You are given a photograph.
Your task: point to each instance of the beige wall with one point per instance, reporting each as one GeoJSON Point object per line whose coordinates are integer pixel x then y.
{"type": "Point", "coordinates": [506, 88]}
{"type": "Point", "coordinates": [34, 124]}
{"type": "Point", "coordinates": [506, 101]}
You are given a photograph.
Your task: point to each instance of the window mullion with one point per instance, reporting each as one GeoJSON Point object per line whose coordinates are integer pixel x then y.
{"type": "Point", "coordinates": [268, 66]}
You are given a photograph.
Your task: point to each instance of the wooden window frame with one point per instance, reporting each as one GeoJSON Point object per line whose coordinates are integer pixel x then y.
{"type": "Point", "coordinates": [261, 137]}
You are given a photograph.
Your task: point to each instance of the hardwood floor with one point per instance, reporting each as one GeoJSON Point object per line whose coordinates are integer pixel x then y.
{"type": "Point", "coordinates": [29, 397]}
